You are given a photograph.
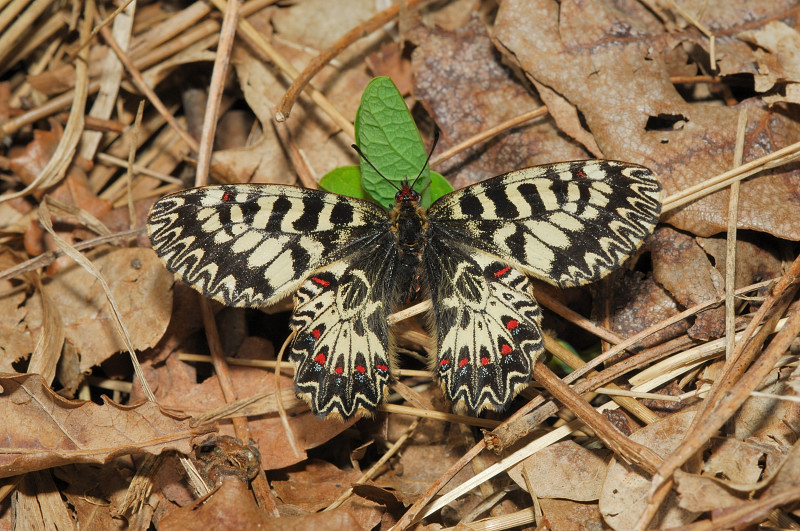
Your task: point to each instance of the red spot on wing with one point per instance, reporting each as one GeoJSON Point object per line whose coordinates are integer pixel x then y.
{"type": "Point", "coordinates": [339, 370]}
{"type": "Point", "coordinates": [361, 369]}
{"type": "Point", "coordinates": [512, 324]}
{"type": "Point", "coordinates": [320, 358]}
{"type": "Point", "coordinates": [382, 368]}
{"type": "Point", "coordinates": [316, 333]}
{"type": "Point", "coordinates": [321, 282]}
{"type": "Point", "coordinates": [500, 273]}
{"type": "Point", "coordinates": [444, 362]}
{"type": "Point", "coordinates": [463, 362]}
{"type": "Point", "coordinates": [227, 196]}
{"type": "Point", "coordinates": [484, 361]}
{"type": "Point", "coordinates": [505, 348]}
{"type": "Point", "coordinates": [580, 174]}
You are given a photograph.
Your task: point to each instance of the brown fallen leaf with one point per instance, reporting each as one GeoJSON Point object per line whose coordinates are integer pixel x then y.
{"type": "Point", "coordinates": [43, 430]}
{"type": "Point", "coordinates": [571, 516]}
{"type": "Point", "coordinates": [683, 269]}
{"type": "Point", "coordinates": [640, 302]}
{"type": "Point", "coordinates": [608, 65]}
{"type": "Point", "coordinates": [625, 487]}
{"type": "Point", "coordinates": [699, 494]}
{"type": "Point", "coordinates": [215, 511]}
{"type": "Point", "coordinates": [137, 281]}
{"type": "Point", "coordinates": [175, 385]}
{"type": "Point", "coordinates": [563, 470]}
{"type": "Point", "coordinates": [461, 81]}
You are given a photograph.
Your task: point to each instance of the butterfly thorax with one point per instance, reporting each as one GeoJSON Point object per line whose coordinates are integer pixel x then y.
{"type": "Point", "coordinates": [409, 226]}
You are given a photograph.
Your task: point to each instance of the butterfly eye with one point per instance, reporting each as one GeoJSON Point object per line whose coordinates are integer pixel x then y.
{"type": "Point", "coordinates": [406, 194]}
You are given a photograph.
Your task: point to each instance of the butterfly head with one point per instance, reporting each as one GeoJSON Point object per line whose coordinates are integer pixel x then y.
{"type": "Point", "coordinates": [406, 194]}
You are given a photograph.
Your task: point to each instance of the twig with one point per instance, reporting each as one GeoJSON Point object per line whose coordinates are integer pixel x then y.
{"type": "Point", "coordinates": [215, 90]}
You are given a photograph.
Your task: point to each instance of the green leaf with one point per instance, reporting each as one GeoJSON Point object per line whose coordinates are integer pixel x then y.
{"type": "Point", "coordinates": [439, 186]}
{"type": "Point", "coordinates": [389, 138]}
{"type": "Point", "coordinates": [345, 180]}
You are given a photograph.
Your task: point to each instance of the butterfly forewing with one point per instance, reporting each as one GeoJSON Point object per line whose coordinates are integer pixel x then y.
{"type": "Point", "coordinates": [250, 245]}
{"type": "Point", "coordinates": [567, 224]}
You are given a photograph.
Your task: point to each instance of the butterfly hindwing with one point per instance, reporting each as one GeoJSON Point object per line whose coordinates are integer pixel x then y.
{"type": "Point", "coordinates": [486, 324]}
{"type": "Point", "coordinates": [567, 224]}
{"type": "Point", "coordinates": [250, 245]}
{"type": "Point", "coordinates": [342, 347]}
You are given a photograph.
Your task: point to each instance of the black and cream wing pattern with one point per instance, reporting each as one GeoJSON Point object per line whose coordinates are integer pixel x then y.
{"type": "Point", "coordinates": [350, 264]}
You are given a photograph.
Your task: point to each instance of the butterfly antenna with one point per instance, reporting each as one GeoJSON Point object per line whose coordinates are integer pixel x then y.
{"type": "Point", "coordinates": [430, 154]}
{"type": "Point", "coordinates": [361, 154]}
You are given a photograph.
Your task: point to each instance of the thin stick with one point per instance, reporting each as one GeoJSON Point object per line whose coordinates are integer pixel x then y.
{"type": "Point", "coordinates": [730, 252]}
{"type": "Point", "coordinates": [488, 133]}
{"type": "Point", "coordinates": [279, 399]}
{"type": "Point", "coordinates": [215, 90]}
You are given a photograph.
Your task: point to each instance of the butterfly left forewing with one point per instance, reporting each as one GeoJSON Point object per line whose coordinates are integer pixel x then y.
{"type": "Point", "coordinates": [486, 325]}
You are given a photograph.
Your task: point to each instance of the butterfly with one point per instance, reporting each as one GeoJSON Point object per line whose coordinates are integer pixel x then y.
{"type": "Point", "coordinates": [350, 264]}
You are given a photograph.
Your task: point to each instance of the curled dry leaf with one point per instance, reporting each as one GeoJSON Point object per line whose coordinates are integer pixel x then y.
{"type": "Point", "coordinates": [563, 470]}
{"type": "Point", "coordinates": [461, 81]}
{"type": "Point", "coordinates": [624, 493]}
{"type": "Point", "coordinates": [601, 59]}
{"type": "Point", "coordinates": [777, 59]}
{"type": "Point", "coordinates": [141, 288]}
{"type": "Point", "coordinates": [43, 430]}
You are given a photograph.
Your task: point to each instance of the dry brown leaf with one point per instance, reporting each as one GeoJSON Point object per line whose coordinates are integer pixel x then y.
{"type": "Point", "coordinates": [609, 65]}
{"type": "Point", "coordinates": [568, 515]}
{"type": "Point", "coordinates": [624, 493]}
{"type": "Point", "coordinates": [640, 302]}
{"type": "Point", "coordinates": [563, 470]}
{"type": "Point", "coordinates": [89, 488]}
{"type": "Point", "coordinates": [29, 162]}
{"type": "Point", "coordinates": [137, 281]}
{"type": "Point", "coordinates": [43, 430]}
{"type": "Point", "coordinates": [18, 338]}
{"type": "Point", "coordinates": [683, 269]}
{"type": "Point", "coordinates": [699, 494]}
{"type": "Point", "coordinates": [735, 461]}
{"type": "Point", "coordinates": [229, 506]}
{"type": "Point", "coordinates": [175, 385]}
{"type": "Point", "coordinates": [314, 485]}
{"type": "Point", "coordinates": [776, 55]}
{"type": "Point", "coordinates": [460, 80]}
{"type": "Point", "coordinates": [757, 259]}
